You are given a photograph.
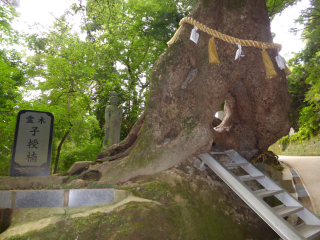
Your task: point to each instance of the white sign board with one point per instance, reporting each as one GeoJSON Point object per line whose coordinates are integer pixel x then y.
{"type": "Point", "coordinates": [32, 148]}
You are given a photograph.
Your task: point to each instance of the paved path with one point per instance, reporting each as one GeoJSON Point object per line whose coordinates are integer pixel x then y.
{"type": "Point", "coordinates": [308, 167]}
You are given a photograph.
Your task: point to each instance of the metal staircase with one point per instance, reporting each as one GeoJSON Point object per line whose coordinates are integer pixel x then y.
{"type": "Point", "coordinates": [273, 216]}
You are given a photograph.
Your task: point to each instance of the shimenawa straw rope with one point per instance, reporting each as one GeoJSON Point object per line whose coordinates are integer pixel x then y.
{"type": "Point", "coordinates": [213, 55]}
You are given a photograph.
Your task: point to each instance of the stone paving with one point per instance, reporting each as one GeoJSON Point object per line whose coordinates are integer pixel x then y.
{"type": "Point", "coordinates": [55, 198]}
{"type": "Point", "coordinates": [5, 199]}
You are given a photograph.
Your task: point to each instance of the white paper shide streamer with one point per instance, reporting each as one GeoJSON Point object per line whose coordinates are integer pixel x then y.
{"type": "Point", "coordinates": [194, 35]}
{"type": "Point", "coordinates": [239, 53]}
{"type": "Point", "coordinates": [281, 61]}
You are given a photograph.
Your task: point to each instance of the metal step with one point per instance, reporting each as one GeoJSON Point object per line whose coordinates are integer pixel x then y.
{"type": "Point", "coordinates": [233, 165]}
{"type": "Point", "coordinates": [249, 178]}
{"type": "Point", "coordinates": [284, 211]}
{"type": "Point", "coordinates": [274, 217]}
{"type": "Point", "coordinates": [266, 193]}
{"type": "Point", "coordinates": [308, 231]}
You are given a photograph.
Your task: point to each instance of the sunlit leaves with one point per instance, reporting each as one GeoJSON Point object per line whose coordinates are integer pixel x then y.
{"type": "Point", "coordinates": [7, 34]}
{"type": "Point", "coordinates": [11, 78]}
{"type": "Point", "coordinates": [135, 34]}
{"type": "Point", "coordinates": [305, 81]}
{"type": "Point", "coordinates": [276, 6]}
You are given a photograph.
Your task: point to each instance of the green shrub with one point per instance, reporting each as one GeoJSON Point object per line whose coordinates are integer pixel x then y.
{"type": "Point", "coordinates": [285, 140]}
{"type": "Point", "coordinates": [85, 153]}
{"type": "Point", "coordinates": [4, 166]}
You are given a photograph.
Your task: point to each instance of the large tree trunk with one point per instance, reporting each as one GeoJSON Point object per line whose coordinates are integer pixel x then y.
{"type": "Point", "coordinates": [178, 121]}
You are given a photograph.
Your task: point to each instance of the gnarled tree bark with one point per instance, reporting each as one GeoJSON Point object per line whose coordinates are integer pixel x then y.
{"type": "Point", "coordinates": [179, 113]}
{"type": "Point", "coordinates": [123, 148]}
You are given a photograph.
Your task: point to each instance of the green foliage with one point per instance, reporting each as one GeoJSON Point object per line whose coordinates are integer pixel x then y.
{"type": "Point", "coordinates": [12, 76]}
{"type": "Point", "coordinates": [310, 120]}
{"type": "Point", "coordinates": [304, 83]}
{"type": "Point", "coordinates": [285, 140]}
{"type": "Point", "coordinates": [8, 34]}
{"type": "Point", "coordinates": [66, 68]}
{"type": "Point", "coordinates": [277, 6]}
{"type": "Point", "coordinates": [137, 32]}
{"type": "Point", "coordinates": [87, 152]}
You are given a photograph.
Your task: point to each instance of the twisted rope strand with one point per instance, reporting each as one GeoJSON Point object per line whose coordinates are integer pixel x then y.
{"type": "Point", "coordinates": [224, 37]}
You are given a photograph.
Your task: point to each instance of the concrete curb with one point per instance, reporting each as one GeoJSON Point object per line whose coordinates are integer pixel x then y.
{"type": "Point", "coordinates": [55, 198]}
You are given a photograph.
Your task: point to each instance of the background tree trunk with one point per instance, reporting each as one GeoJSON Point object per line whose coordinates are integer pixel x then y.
{"type": "Point", "coordinates": [178, 121]}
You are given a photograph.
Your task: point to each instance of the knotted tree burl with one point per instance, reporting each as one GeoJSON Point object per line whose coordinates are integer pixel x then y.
{"type": "Point", "coordinates": [186, 91]}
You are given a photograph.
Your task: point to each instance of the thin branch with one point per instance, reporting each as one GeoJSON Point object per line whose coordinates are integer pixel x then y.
{"type": "Point", "coordinates": [58, 98]}
{"type": "Point", "coordinates": [67, 25]}
{"type": "Point", "coordinates": [59, 148]}
{"type": "Point", "coordinates": [6, 2]}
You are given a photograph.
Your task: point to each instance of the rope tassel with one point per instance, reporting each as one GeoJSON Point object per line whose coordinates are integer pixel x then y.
{"type": "Point", "coordinates": [287, 71]}
{"type": "Point", "coordinates": [213, 54]}
{"type": "Point", "coordinates": [271, 72]}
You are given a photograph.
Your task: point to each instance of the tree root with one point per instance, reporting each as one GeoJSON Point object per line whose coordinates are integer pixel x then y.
{"type": "Point", "coordinates": [123, 148]}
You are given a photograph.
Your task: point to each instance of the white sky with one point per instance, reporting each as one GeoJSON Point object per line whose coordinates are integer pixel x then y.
{"type": "Point", "coordinates": [39, 11]}
{"type": "Point", "coordinates": [281, 25]}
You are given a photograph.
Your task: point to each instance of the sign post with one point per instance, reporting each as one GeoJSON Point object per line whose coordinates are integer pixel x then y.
{"type": "Point", "coordinates": [31, 154]}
